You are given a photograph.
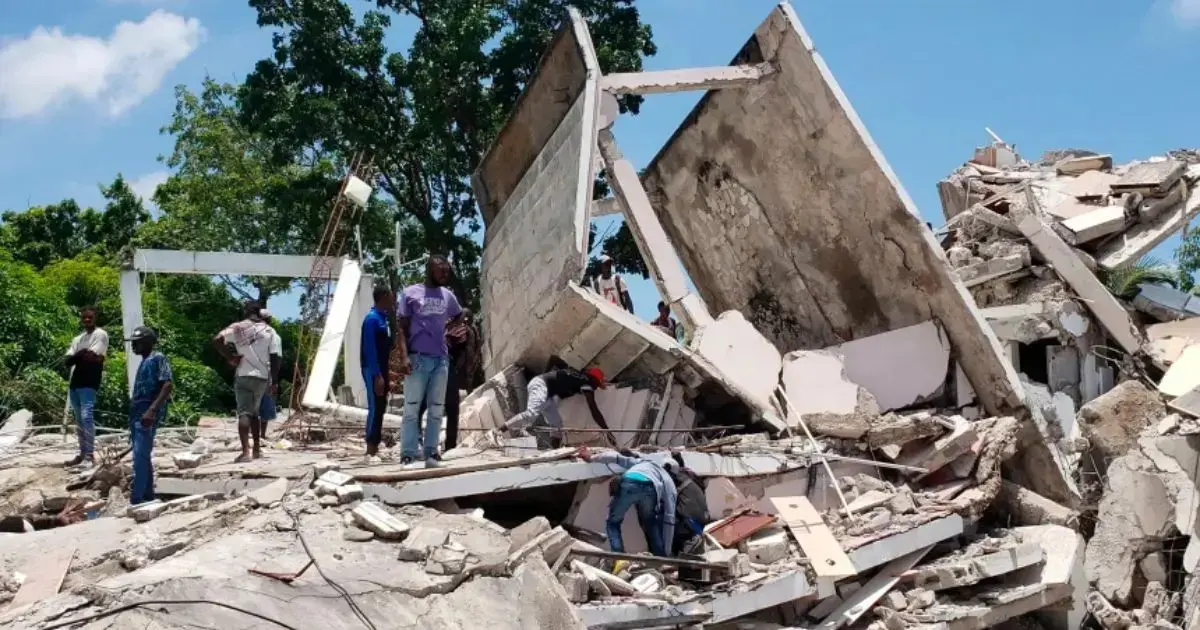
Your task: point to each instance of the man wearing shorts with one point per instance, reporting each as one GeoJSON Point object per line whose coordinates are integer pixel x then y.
{"type": "Point", "coordinates": [255, 350]}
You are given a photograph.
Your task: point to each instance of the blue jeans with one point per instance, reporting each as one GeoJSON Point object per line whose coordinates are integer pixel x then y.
{"type": "Point", "coordinates": [643, 496]}
{"type": "Point", "coordinates": [142, 438]}
{"type": "Point", "coordinates": [426, 383]}
{"type": "Point", "coordinates": [83, 407]}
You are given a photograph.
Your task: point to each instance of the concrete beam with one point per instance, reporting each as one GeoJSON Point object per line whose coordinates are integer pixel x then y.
{"type": "Point", "coordinates": [687, 80]}
{"type": "Point", "coordinates": [131, 318]}
{"type": "Point", "coordinates": [230, 263]}
{"type": "Point", "coordinates": [606, 207]}
{"type": "Point", "coordinates": [656, 249]}
{"type": "Point", "coordinates": [320, 379]}
{"type": "Point", "coordinates": [1103, 305]}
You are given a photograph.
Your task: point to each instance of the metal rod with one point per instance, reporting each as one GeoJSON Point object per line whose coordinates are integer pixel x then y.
{"type": "Point", "coordinates": [817, 449]}
{"type": "Point", "coordinates": [674, 562]}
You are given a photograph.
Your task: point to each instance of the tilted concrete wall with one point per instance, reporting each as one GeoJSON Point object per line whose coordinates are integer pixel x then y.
{"type": "Point", "coordinates": [534, 188]}
{"type": "Point", "coordinates": [783, 208]}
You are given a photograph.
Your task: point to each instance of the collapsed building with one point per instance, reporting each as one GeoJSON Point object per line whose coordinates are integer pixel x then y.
{"type": "Point", "coordinates": [885, 418]}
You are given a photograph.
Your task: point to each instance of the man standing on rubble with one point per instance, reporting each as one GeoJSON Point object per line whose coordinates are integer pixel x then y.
{"type": "Point", "coordinates": [147, 407]}
{"type": "Point", "coordinates": [255, 350]}
{"type": "Point", "coordinates": [85, 359]}
{"type": "Point", "coordinates": [643, 485]}
{"type": "Point", "coordinates": [463, 342]}
{"type": "Point", "coordinates": [374, 352]}
{"type": "Point", "coordinates": [542, 396]}
{"type": "Point", "coordinates": [611, 286]}
{"type": "Point", "coordinates": [424, 311]}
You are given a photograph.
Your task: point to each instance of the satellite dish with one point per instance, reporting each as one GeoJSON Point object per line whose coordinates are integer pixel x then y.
{"type": "Point", "coordinates": [609, 110]}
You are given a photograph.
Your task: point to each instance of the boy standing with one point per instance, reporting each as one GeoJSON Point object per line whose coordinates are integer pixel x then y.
{"type": "Point", "coordinates": [147, 407]}
{"type": "Point", "coordinates": [424, 311]}
{"type": "Point", "coordinates": [85, 358]}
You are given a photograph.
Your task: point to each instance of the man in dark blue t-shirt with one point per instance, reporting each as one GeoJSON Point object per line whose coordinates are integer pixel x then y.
{"type": "Point", "coordinates": [376, 347]}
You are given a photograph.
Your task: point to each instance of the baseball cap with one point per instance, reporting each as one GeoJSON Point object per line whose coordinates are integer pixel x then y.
{"type": "Point", "coordinates": [142, 332]}
{"type": "Point", "coordinates": [596, 374]}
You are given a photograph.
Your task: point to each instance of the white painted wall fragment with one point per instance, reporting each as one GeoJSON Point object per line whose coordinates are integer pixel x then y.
{"type": "Point", "coordinates": [899, 367]}
{"type": "Point", "coordinates": [741, 354]}
{"type": "Point", "coordinates": [131, 318]}
{"type": "Point", "coordinates": [320, 379]}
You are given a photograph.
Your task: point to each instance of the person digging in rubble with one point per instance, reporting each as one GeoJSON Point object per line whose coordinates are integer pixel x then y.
{"type": "Point", "coordinates": [85, 359]}
{"type": "Point", "coordinates": [645, 486]}
{"type": "Point", "coordinates": [611, 286]}
{"type": "Point", "coordinates": [255, 350]}
{"type": "Point", "coordinates": [374, 352]}
{"type": "Point", "coordinates": [152, 389]}
{"type": "Point", "coordinates": [543, 393]}
{"type": "Point", "coordinates": [424, 311]}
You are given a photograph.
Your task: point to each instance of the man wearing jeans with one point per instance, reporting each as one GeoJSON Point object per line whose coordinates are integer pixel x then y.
{"type": "Point", "coordinates": [147, 407]}
{"type": "Point", "coordinates": [649, 489]}
{"type": "Point", "coordinates": [542, 396]}
{"type": "Point", "coordinates": [374, 351]}
{"type": "Point", "coordinates": [424, 311]}
{"type": "Point", "coordinates": [85, 358]}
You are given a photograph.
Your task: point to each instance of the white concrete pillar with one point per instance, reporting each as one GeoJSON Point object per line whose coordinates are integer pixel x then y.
{"type": "Point", "coordinates": [656, 249]}
{"type": "Point", "coordinates": [352, 355]}
{"type": "Point", "coordinates": [131, 318]}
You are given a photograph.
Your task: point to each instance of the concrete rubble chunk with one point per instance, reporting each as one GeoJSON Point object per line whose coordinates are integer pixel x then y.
{"type": "Point", "coordinates": [1027, 507]}
{"type": "Point", "coordinates": [269, 494]}
{"type": "Point", "coordinates": [614, 584]}
{"type": "Point", "coordinates": [548, 546]}
{"type": "Point", "coordinates": [768, 547]}
{"type": "Point", "coordinates": [448, 559]}
{"type": "Point", "coordinates": [349, 493]}
{"type": "Point", "coordinates": [373, 518]}
{"type": "Point", "coordinates": [942, 450]}
{"type": "Point", "coordinates": [1113, 422]}
{"type": "Point", "coordinates": [322, 467]}
{"type": "Point", "coordinates": [147, 511]}
{"type": "Point", "coordinates": [827, 400]}
{"type": "Point", "coordinates": [420, 540]}
{"type": "Point", "coordinates": [336, 478]}
{"type": "Point", "coordinates": [184, 461]}
{"type": "Point", "coordinates": [575, 585]}
{"type": "Point", "coordinates": [527, 531]}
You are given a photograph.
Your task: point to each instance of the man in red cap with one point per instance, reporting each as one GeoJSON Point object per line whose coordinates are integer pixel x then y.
{"type": "Point", "coordinates": [545, 390]}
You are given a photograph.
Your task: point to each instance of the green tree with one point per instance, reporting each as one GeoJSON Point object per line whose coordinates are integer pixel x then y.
{"type": "Point", "coordinates": [226, 194]}
{"type": "Point", "coordinates": [1124, 282]}
{"type": "Point", "coordinates": [426, 118]}
{"type": "Point", "coordinates": [124, 213]}
{"type": "Point", "coordinates": [33, 320]}
{"type": "Point", "coordinates": [40, 235]}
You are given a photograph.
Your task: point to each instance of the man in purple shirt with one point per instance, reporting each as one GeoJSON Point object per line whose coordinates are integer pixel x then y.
{"type": "Point", "coordinates": [424, 311]}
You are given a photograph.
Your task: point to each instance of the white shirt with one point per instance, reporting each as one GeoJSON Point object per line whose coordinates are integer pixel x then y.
{"type": "Point", "coordinates": [96, 341]}
{"type": "Point", "coordinates": [255, 342]}
{"type": "Point", "coordinates": [610, 288]}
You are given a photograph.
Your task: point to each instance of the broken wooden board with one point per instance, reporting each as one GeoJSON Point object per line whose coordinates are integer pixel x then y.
{"type": "Point", "coordinates": [1152, 179]}
{"type": "Point", "coordinates": [828, 558]}
{"type": "Point", "coordinates": [43, 577]}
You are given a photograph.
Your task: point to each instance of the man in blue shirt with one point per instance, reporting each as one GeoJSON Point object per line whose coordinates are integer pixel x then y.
{"type": "Point", "coordinates": [643, 485]}
{"type": "Point", "coordinates": [376, 347]}
{"type": "Point", "coordinates": [147, 407]}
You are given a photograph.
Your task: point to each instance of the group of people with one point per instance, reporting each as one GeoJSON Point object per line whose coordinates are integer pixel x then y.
{"type": "Point", "coordinates": [152, 387]}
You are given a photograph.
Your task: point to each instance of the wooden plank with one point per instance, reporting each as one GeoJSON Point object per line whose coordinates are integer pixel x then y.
{"type": "Point", "coordinates": [43, 577]}
{"type": "Point", "coordinates": [828, 558]}
{"type": "Point", "coordinates": [864, 598]}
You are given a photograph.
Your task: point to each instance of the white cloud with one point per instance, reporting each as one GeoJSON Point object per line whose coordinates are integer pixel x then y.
{"type": "Point", "coordinates": [49, 68]}
{"type": "Point", "coordinates": [1186, 12]}
{"type": "Point", "coordinates": [145, 185]}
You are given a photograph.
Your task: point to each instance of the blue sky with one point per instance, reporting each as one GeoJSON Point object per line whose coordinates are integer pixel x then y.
{"type": "Point", "coordinates": [85, 85]}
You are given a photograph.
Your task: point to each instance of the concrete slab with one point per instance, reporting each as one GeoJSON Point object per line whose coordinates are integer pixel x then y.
{"type": "Point", "coordinates": [820, 390]}
{"type": "Point", "coordinates": [1140, 239]}
{"type": "Point", "coordinates": [15, 428]}
{"type": "Point", "coordinates": [885, 550]}
{"type": "Point", "coordinates": [741, 354]}
{"type": "Point", "coordinates": [900, 367]}
{"type": "Point", "coordinates": [838, 257]}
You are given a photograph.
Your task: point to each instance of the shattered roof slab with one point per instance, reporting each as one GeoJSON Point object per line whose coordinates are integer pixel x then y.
{"type": "Point", "coordinates": [783, 208]}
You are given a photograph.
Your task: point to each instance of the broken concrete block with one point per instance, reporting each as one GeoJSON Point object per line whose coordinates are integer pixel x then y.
{"type": "Point", "coordinates": [147, 511]}
{"type": "Point", "coordinates": [449, 559]}
{"type": "Point", "coordinates": [1113, 422]}
{"type": "Point", "coordinates": [897, 430]}
{"type": "Point", "coordinates": [1086, 165]}
{"type": "Point", "coordinates": [1154, 567]}
{"type": "Point", "coordinates": [769, 548]}
{"type": "Point", "coordinates": [1026, 507]}
{"type": "Point", "coordinates": [349, 493]}
{"type": "Point", "coordinates": [268, 494]}
{"type": "Point", "coordinates": [354, 534]}
{"type": "Point", "coordinates": [742, 355]}
{"type": "Point", "coordinates": [902, 502]}
{"type": "Point", "coordinates": [821, 393]}
{"type": "Point", "coordinates": [420, 540]}
{"type": "Point", "coordinates": [527, 531]}
{"type": "Point", "coordinates": [1089, 226]}
{"type": "Point", "coordinates": [184, 461]}
{"type": "Point", "coordinates": [328, 501]}
{"type": "Point", "coordinates": [920, 598]}
{"type": "Point", "coordinates": [614, 584]}
{"type": "Point", "coordinates": [187, 504]}
{"type": "Point", "coordinates": [322, 467]}
{"type": "Point", "coordinates": [336, 478]}
{"type": "Point", "coordinates": [894, 600]}
{"type": "Point", "coordinates": [941, 451]}
{"type": "Point", "coordinates": [373, 518]}
{"type": "Point", "coordinates": [324, 488]}
{"type": "Point", "coordinates": [548, 545]}
{"type": "Point", "coordinates": [987, 270]}
{"type": "Point", "coordinates": [576, 586]}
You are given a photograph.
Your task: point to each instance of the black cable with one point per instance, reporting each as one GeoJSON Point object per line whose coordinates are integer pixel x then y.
{"type": "Point", "coordinates": [354, 607]}
{"type": "Point", "coordinates": [121, 609]}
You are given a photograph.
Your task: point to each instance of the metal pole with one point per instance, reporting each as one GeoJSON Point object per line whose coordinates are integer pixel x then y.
{"type": "Point", "coordinates": [816, 448]}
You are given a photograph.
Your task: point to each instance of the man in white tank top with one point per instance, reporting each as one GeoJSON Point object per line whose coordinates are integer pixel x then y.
{"type": "Point", "coordinates": [611, 286]}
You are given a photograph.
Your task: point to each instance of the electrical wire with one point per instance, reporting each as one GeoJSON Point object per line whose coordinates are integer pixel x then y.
{"type": "Point", "coordinates": [120, 609]}
{"type": "Point", "coordinates": [354, 607]}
